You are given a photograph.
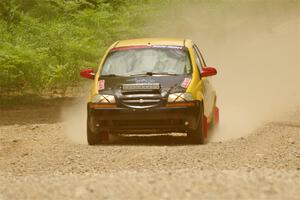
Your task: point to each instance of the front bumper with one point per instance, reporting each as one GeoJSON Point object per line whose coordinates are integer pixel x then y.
{"type": "Point", "coordinates": [155, 120]}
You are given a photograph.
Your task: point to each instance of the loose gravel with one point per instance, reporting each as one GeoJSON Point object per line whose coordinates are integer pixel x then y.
{"type": "Point", "coordinates": [37, 161]}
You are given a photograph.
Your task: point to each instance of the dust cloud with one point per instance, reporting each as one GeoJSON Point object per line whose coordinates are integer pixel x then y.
{"type": "Point", "coordinates": [74, 119]}
{"type": "Point", "coordinates": [255, 46]}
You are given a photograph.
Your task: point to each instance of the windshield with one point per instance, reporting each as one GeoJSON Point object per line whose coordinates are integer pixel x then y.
{"type": "Point", "coordinates": [144, 60]}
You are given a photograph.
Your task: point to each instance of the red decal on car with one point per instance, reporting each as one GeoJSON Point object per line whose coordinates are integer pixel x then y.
{"type": "Point", "coordinates": [186, 83]}
{"type": "Point", "coordinates": [101, 85]}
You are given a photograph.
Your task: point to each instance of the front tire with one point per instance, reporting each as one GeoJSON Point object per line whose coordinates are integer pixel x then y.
{"type": "Point", "coordinates": [198, 136]}
{"type": "Point", "coordinates": [94, 138]}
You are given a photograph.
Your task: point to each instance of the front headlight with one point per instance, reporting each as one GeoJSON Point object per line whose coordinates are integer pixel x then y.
{"type": "Point", "coordinates": [103, 99]}
{"type": "Point", "coordinates": [180, 97]}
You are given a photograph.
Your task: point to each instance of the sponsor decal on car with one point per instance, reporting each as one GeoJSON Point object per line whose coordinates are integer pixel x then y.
{"type": "Point", "coordinates": [167, 46]}
{"type": "Point", "coordinates": [101, 85]}
{"type": "Point", "coordinates": [186, 82]}
{"type": "Point", "coordinates": [144, 80]}
{"type": "Point", "coordinates": [141, 86]}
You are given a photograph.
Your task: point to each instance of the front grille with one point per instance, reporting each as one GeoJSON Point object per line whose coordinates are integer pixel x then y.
{"type": "Point", "coordinates": [140, 95]}
{"type": "Point", "coordinates": [140, 100]}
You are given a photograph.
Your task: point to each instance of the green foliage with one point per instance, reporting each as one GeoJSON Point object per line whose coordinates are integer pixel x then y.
{"type": "Point", "coordinates": [45, 43]}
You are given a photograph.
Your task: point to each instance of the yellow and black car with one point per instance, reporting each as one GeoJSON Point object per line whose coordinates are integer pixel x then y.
{"type": "Point", "coordinates": [151, 85]}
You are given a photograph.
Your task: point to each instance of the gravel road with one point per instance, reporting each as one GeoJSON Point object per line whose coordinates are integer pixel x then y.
{"type": "Point", "coordinates": [37, 161]}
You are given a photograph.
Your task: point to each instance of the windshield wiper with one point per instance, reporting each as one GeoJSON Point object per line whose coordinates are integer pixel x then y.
{"type": "Point", "coordinates": [164, 73]}
{"type": "Point", "coordinates": [154, 73]}
{"type": "Point", "coordinates": [109, 75]}
{"type": "Point", "coordinates": [112, 75]}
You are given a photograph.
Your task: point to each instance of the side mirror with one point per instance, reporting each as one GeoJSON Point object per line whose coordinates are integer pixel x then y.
{"type": "Point", "coordinates": [87, 73]}
{"type": "Point", "coordinates": [208, 71]}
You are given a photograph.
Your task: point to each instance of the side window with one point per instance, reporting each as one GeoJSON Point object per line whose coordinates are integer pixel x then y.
{"type": "Point", "coordinates": [200, 55]}
{"type": "Point", "coordinates": [197, 58]}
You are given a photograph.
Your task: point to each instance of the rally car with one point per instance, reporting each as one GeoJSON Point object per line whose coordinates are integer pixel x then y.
{"type": "Point", "coordinates": [151, 85]}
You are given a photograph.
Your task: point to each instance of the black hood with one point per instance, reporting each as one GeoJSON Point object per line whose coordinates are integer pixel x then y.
{"type": "Point", "coordinates": [170, 84]}
{"type": "Point", "coordinates": [143, 98]}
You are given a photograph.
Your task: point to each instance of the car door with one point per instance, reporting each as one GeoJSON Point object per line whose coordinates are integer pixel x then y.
{"type": "Point", "coordinates": [208, 91]}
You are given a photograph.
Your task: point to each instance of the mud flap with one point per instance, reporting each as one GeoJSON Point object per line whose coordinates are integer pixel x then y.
{"type": "Point", "coordinates": [216, 116]}
{"type": "Point", "coordinates": [205, 126]}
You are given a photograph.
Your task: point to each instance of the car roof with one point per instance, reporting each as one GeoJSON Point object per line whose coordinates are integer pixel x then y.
{"type": "Point", "coordinates": [151, 41]}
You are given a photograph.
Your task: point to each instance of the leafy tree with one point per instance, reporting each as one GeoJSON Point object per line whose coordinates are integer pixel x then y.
{"type": "Point", "coordinates": [45, 43]}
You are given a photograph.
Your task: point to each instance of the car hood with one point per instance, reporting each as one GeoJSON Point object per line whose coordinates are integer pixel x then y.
{"type": "Point", "coordinates": [169, 84]}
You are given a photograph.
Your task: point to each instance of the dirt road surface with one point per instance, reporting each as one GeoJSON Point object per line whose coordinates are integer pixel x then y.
{"type": "Point", "coordinates": [37, 161]}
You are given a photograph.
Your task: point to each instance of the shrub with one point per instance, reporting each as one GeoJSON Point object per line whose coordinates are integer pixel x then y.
{"type": "Point", "coordinates": [45, 43]}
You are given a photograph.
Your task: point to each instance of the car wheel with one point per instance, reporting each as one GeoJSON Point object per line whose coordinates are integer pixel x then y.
{"type": "Point", "coordinates": [94, 138]}
{"type": "Point", "coordinates": [198, 136]}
